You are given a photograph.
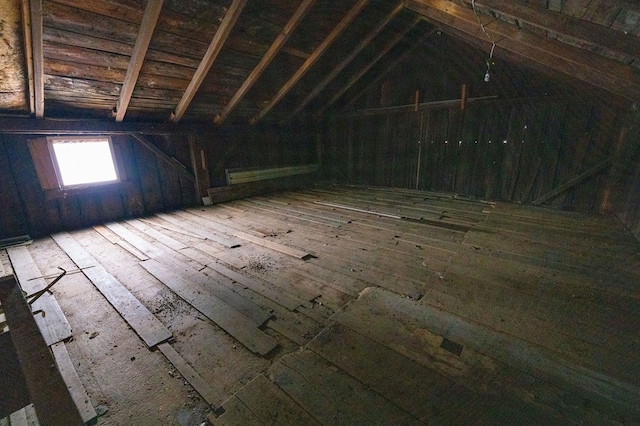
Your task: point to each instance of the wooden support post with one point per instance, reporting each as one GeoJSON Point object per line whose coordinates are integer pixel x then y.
{"type": "Point", "coordinates": [574, 182]}
{"type": "Point", "coordinates": [463, 97]}
{"type": "Point", "coordinates": [147, 26]}
{"type": "Point", "coordinates": [199, 165]}
{"type": "Point", "coordinates": [47, 389]}
{"type": "Point", "coordinates": [417, 100]}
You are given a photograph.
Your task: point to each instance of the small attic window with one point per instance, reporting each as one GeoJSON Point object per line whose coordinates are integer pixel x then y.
{"type": "Point", "coordinates": [83, 161]}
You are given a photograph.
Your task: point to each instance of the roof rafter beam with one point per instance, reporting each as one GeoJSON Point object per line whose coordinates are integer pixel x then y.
{"type": "Point", "coordinates": [38, 56]}
{"type": "Point", "coordinates": [608, 74]}
{"type": "Point", "coordinates": [346, 61]}
{"type": "Point", "coordinates": [388, 69]}
{"type": "Point", "coordinates": [353, 80]}
{"type": "Point", "coordinates": [209, 58]}
{"type": "Point", "coordinates": [28, 52]}
{"type": "Point", "coordinates": [566, 25]}
{"type": "Point", "coordinates": [320, 50]}
{"type": "Point", "coordinates": [147, 26]}
{"type": "Point", "coordinates": [271, 53]}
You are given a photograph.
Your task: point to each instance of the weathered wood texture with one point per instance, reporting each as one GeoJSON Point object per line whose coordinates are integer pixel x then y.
{"type": "Point", "coordinates": [624, 195]}
{"type": "Point", "coordinates": [515, 150]}
{"type": "Point", "coordinates": [151, 184]}
{"type": "Point", "coordinates": [47, 390]}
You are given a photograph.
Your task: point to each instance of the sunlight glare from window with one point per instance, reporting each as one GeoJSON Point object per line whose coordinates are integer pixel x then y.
{"type": "Point", "coordinates": [84, 162]}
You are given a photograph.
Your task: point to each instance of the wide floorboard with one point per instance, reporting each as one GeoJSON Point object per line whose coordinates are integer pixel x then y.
{"type": "Point", "coordinates": [352, 305]}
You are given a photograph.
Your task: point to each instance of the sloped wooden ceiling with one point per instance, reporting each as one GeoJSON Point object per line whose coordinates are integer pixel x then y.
{"type": "Point", "coordinates": [248, 61]}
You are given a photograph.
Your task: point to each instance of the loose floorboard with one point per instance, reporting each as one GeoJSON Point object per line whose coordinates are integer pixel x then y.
{"type": "Point", "coordinates": [289, 309]}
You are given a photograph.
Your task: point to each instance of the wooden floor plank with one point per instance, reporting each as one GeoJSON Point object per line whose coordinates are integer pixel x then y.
{"type": "Point", "coordinates": [208, 285]}
{"type": "Point", "coordinates": [235, 413]}
{"type": "Point", "coordinates": [427, 395]}
{"type": "Point", "coordinates": [198, 217]}
{"type": "Point", "coordinates": [147, 326]}
{"type": "Point", "coordinates": [157, 235]}
{"type": "Point", "coordinates": [213, 397]}
{"type": "Point", "coordinates": [271, 405]}
{"type": "Point", "coordinates": [591, 385]}
{"type": "Point", "coordinates": [331, 396]}
{"type": "Point", "coordinates": [279, 296]}
{"type": "Point", "coordinates": [52, 324]}
{"type": "Point", "coordinates": [197, 230]}
{"type": "Point", "coordinates": [138, 242]}
{"type": "Point", "coordinates": [233, 322]}
{"type": "Point", "coordinates": [73, 382]}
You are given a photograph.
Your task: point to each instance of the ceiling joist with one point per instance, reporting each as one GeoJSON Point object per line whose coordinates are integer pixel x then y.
{"type": "Point", "coordinates": [147, 26]}
{"type": "Point", "coordinates": [326, 43]}
{"type": "Point", "coordinates": [271, 53]}
{"type": "Point", "coordinates": [37, 56]}
{"type": "Point", "coordinates": [210, 56]}
{"type": "Point", "coordinates": [607, 74]}
{"type": "Point", "coordinates": [350, 57]}
{"type": "Point", "coordinates": [353, 80]}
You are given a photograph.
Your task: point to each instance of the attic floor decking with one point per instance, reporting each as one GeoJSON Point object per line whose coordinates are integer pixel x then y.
{"type": "Point", "coordinates": [411, 308]}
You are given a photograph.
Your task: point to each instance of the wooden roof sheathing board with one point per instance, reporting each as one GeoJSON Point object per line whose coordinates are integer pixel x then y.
{"type": "Point", "coordinates": [13, 80]}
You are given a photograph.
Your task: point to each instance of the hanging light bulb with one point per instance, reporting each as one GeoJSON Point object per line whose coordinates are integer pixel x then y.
{"type": "Point", "coordinates": [487, 77]}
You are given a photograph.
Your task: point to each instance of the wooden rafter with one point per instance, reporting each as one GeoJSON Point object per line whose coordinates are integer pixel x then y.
{"type": "Point", "coordinates": [607, 74]}
{"type": "Point", "coordinates": [147, 26]}
{"type": "Point", "coordinates": [353, 80]}
{"type": "Point", "coordinates": [28, 52]}
{"type": "Point", "coordinates": [271, 53]}
{"type": "Point", "coordinates": [333, 35]}
{"type": "Point", "coordinates": [38, 57]}
{"type": "Point", "coordinates": [565, 25]}
{"type": "Point", "coordinates": [346, 61]}
{"type": "Point", "coordinates": [210, 56]}
{"type": "Point", "coordinates": [388, 69]}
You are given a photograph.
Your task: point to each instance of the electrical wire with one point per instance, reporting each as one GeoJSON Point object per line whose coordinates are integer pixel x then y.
{"type": "Point", "coordinates": [493, 43]}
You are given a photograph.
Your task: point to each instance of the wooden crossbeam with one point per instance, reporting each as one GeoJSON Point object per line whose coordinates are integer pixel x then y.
{"type": "Point", "coordinates": [209, 58]}
{"type": "Point", "coordinates": [180, 168]}
{"type": "Point", "coordinates": [275, 47]}
{"type": "Point", "coordinates": [38, 56]}
{"type": "Point", "coordinates": [350, 57]}
{"type": "Point", "coordinates": [320, 50]}
{"type": "Point", "coordinates": [608, 74]}
{"type": "Point", "coordinates": [353, 80]}
{"type": "Point", "coordinates": [565, 25]}
{"type": "Point", "coordinates": [574, 182]}
{"type": "Point", "coordinates": [401, 58]}
{"type": "Point", "coordinates": [147, 26]}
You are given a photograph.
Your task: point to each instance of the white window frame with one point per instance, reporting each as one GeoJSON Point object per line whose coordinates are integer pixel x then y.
{"type": "Point", "coordinates": [52, 139]}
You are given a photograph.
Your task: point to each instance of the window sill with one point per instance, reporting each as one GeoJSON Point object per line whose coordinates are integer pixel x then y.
{"type": "Point", "coordinates": [53, 194]}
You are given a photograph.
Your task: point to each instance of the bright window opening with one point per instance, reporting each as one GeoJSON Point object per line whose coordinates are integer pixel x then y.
{"type": "Point", "coordinates": [83, 161]}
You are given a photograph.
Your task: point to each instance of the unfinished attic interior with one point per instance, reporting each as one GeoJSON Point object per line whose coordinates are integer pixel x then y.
{"type": "Point", "coordinates": [242, 212]}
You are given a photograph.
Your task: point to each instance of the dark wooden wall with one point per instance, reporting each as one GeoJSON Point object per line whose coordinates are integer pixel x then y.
{"type": "Point", "coordinates": [153, 185]}
{"type": "Point", "coordinates": [625, 197]}
{"type": "Point", "coordinates": [498, 150]}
